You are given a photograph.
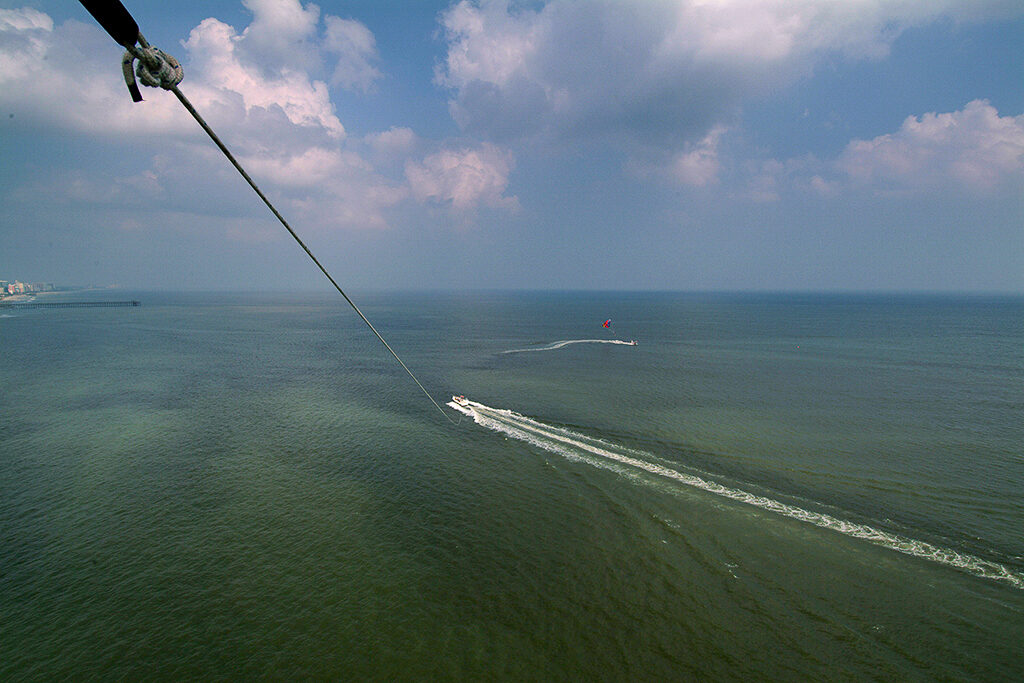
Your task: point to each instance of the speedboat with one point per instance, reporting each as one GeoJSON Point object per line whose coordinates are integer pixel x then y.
{"type": "Point", "coordinates": [460, 400]}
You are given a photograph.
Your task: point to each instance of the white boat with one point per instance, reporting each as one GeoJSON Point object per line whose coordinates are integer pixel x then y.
{"type": "Point", "coordinates": [460, 401]}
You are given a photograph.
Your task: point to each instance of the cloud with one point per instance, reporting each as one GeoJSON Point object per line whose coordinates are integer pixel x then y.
{"type": "Point", "coordinates": [268, 66]}
{"type": "Point", "coordinates": [465, 178]}
{"type": "Point", "coordinates": [698, 164]}
{"type": "Point", "coordinates": [23, 34]}
{"type": "Point", "coordinates": [974, 151]}
{"type": "Point", "coordinates": [652, 73]}
{"type": "Point", "coordinates": [215, 50]}
{"type": "Point", "coordinates": [694, 164]}
{"type": "Point", "coordinates": [974, 147]}
{"type": "Point", "coordinates": [24, 19]}
{"type": "Point", "coordinates": [395, 141]}
{"type": "Point", "coordinates": [312, 167]}
{"type": "Point", "coordinates": [258, 88]}
{"type": "Point", "coordinates": [68, 77]}
{"type": "Point", "coordinates": [282, 35]}
{"type": "Point", "coordinates": [786, 33]}
{"type": "Point", "coordinates": [357, 48]}
{"type": "Point", "coordinates": [44, 66]}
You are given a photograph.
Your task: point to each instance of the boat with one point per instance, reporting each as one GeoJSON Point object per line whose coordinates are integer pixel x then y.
{"type": "Point", "coordinates": [460, 400]}
{"type": "Point", "coordinates": [632, 342]}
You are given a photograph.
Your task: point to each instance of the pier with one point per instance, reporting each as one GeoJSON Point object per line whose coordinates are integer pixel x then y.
{"type": "Point", "coordinates": [69, 304]}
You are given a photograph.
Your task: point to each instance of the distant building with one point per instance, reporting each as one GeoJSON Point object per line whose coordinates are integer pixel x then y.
{"type": "Point", "coordinates": [12, 287]}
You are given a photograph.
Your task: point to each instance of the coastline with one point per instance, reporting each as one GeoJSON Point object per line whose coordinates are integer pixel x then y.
{"type": "Point", "coordinates": [22, 298]}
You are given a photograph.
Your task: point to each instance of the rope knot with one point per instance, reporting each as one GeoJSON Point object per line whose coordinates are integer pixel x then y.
{"type": "Point", "coordinates": [156, 68]}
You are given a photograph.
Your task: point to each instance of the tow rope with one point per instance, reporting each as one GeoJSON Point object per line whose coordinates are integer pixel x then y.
{"type": "Point", "coordinates": [157, 69]}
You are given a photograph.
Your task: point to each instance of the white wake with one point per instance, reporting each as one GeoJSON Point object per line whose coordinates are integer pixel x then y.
{"type": "Point", "coordinates": [599, 453]}
{"type": "Point", "coordinates": [560, 344]}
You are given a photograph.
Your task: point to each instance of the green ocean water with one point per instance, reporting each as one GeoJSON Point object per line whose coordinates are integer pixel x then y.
{"type": "Point", "coordinates": [766, 487]}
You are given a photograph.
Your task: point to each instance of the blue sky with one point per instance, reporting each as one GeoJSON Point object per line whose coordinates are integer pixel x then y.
{"type": "Point", "coordinates": [666, 144]}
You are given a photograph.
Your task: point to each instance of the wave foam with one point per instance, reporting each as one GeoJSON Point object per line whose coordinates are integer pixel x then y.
{"type": "Point", "coordinates": [597, 452]}
{"type": "Point", "coordinates": [560, 344]}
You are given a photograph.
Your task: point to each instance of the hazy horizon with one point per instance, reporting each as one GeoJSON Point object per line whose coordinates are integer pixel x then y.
{"type": "Point", "coordinates": [329, 291]}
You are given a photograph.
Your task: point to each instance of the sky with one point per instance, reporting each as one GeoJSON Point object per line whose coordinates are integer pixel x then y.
{"type": "Point", "coordinates": [805, 145]}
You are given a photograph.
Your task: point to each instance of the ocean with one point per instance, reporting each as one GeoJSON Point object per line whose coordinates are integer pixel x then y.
{"type": "Point", "coordinates": [782, 487]}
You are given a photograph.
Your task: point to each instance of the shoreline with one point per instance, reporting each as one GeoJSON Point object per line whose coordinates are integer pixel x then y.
{"type": "Point", "coordinates": [21, 298]}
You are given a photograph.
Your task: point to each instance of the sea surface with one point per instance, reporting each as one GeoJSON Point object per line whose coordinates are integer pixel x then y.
{"type": "Point", "coordinates": [783, 487]}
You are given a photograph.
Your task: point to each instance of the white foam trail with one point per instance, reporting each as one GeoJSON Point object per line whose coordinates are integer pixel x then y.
{"type": "Point", "coordinates": [580, 447]}
{"type": "Point", "coordinates": [560, 344]}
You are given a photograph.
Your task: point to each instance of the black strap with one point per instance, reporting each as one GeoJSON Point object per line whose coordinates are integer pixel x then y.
{"type": "Point", "coordinates": [115, 19]}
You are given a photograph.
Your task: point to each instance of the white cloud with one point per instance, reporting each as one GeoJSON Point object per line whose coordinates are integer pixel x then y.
{"type": "Point", "coordinates": [394, 141]}
{"type": "Point", "coordinates": [823, 187]}
{"type": "Point", "coordinates": [488, 43]}
{"type": "Point", "coordinates": [466, 178]}
{"type": "Point", "coordinates": [357, 48]}
{"type": "Point", "coordinates": [282, 34]}
{"type": "Point", "coordinates": [285, 34]}
{"type": "Point", "coordinates": [652, 72]}
{"type": "Point", "coordinates": [974, 150]}
{"type": "Point", "coordinates": [310, 168]}
{"type": "Point", "coordinates": [698, 164]}
{"type": "Point", "coordinates": [974, 147]}
{"type": "Point", "coordinates": [214, 49]}
{"type": "Point", "coordinates": [695, 164]}
{"type": "Point", "coordinates": [776, 31]}
{"type": "Point", "coordinates": [267, 66]}
{"type": "Point", "coordinates": [68, 76]}
{"type": "Point", "coordinates": [256, 87]}
{"type": "Point", "coordinates": [23, 37]}
{"type": "Point", "coordinates": [24, 19]}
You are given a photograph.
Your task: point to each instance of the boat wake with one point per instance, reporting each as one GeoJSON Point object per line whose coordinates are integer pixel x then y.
{"type": "Point", "coordinates": [561, 344]}
{"type": "Point", "coordinates": [600, 453]}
